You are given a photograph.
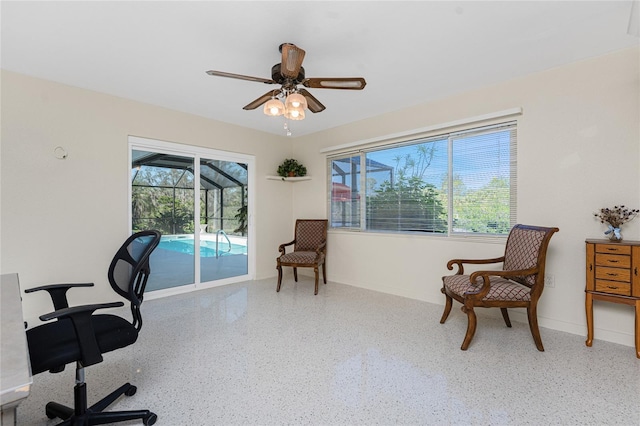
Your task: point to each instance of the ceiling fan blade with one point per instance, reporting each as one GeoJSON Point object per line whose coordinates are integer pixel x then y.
{"type": "Point", "coordinates": [240, 77]}
{"type": "Point", "coordinates": [350, 83]}
{"type": "Point", "coordinates": [292, 57]}
{"type": "Point", "coordinates": [313, 104]}
{"type": "Point", "coordinates": [262, 99]}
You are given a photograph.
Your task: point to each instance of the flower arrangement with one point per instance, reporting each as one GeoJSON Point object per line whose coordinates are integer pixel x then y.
{"type": "Point", "coordinates": [615, 218]}
{"type": "Point", "coordinates": [291, 168]}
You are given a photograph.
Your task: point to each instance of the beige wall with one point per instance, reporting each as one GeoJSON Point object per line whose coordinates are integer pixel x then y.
{"type": "Point", "coordinates": [62, 220]}
{"type": "Point", "coordinates": [578, 151]}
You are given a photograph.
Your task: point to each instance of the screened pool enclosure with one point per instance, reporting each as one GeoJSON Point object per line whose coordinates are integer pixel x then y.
{"type": "Point", "coordinates": [201, 242]}
{"type": "Point", "coordinates": [162, 194]}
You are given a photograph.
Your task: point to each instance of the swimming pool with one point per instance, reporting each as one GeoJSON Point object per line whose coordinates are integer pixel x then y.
{"type": "Point", "coordinates": [207, 247]}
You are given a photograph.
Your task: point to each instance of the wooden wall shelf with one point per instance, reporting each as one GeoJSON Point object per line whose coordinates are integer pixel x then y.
{"type": "Point", "coordinates": [289, 179]}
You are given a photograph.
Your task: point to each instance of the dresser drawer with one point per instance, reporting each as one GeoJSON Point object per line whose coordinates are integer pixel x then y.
{"type": "Point", "coordinates": [613, 287]}
{"type": "Point", "coordinates": [613, 274]}
{"type": "Point", "coordinates": [613, 249]}
{"type": "Point", "coordinates": [615, 260]}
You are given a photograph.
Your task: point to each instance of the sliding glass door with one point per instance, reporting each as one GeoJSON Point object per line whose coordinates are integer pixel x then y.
{"type": "Point", "coordinates": [162, 188]}
{"type": "Point", "coordinates": [223, 219]}
{"type": "Point", "coordinates": [171, 186]}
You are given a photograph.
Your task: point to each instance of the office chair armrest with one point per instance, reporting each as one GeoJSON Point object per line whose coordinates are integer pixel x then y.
{"type": "Point", "coordinates": [281, 247]}
{"type": "Point", "coordinates": [76, 310]}
{"type": "Point", "coordinates": [58, 293]}
{"type": "Point", "coordinates": [460, 263]}
{"type": "Point", "coordinates": [80, 316]}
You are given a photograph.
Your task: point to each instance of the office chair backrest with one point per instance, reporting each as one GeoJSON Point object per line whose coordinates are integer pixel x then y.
{"type": "Point", "coordinates": [129, 269]}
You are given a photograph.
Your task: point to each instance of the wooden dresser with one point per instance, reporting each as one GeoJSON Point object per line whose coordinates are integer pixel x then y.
{"type": "Point", "coordinates": [613, 275]}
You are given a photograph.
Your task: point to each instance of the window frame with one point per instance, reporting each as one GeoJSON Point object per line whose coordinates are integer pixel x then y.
{"type": "Point", "coordinates": [416, 139]}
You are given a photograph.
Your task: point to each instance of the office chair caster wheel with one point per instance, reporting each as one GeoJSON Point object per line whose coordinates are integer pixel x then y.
{"type": "Point", "coordinates": [131, 391]}
{"type": "Point", "coordinates": [150, 419]}
{"type": "Point", "coordinates": [55, 410]}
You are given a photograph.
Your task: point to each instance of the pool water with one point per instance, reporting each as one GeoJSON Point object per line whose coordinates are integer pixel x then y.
{"type": "Point", "coordinates": [207, 248]}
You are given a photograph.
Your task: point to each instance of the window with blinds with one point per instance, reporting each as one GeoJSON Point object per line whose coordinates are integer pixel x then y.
{"type": "Point", "coordinates": [456, 184]}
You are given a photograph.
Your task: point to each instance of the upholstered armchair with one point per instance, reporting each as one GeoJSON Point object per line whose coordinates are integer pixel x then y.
{"type": "Point", "coordinates": [309, 250]}
{"type": "Point", "coordinates": [518, 285]}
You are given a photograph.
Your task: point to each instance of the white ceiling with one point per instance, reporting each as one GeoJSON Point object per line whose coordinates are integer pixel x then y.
{"type": "Point", "coordinates": [409, 52]}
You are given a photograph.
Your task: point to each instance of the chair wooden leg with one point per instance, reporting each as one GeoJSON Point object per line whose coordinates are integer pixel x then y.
{"type": "Point", "coordinates": [295, 274]}
{"type": "Point", "coordinates": [505, 316]}
{"type": "Point", "coordinates": [447, 307]}
{"type": "Point", "coordinates": [533, 325]}
{"type": "Point", "coordinates": [315, 269]}
{"type": "Point", "coordinates": [471, 326]}
{"type": "Point", "coordinates": [324, 273]}
{"type": "Point", "coordinates": [279, 268]}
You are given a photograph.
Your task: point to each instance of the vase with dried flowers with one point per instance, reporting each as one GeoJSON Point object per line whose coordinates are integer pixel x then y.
{"type": "Point", "coordinates": [615, 218]}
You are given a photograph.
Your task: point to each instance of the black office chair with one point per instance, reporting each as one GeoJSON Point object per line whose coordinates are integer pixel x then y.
{"type": "Point", "coordinates": [81, 337]}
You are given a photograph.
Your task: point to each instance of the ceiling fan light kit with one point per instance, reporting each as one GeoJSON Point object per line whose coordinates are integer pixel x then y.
{"type": "Point", "coordinates": [294, 113]}
{"type": "Point", "coordinates": [274, 107]}
{"type": "Point", "coordinates": [289, 73]}
{"type": "Point", "coordinates": [293, 107]}
{"type": "Point", "coordinates": [296, 100]}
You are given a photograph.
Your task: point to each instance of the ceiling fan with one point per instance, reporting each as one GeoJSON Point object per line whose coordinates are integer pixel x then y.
{"type": "Point", "coordinates": [289, 74]}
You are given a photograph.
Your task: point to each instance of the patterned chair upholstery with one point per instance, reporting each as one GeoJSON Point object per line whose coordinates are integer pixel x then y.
{"type": "Point", "coordinates": [518, 285]}
{"type": "Point", "coordinates": [309, 249]}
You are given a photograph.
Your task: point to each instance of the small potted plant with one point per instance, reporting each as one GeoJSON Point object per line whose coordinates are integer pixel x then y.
{"type": "Point", "coordinates": [615, 218]}
{"type": "Point", "coordinates": [291, 168]}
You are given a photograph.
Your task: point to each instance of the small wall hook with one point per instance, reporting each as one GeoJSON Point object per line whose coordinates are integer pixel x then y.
{"type": "Point", "coordinates": [60, 153]}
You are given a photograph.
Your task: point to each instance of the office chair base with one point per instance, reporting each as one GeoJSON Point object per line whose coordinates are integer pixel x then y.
{"type": "Point", "coordinates": [80, 415]}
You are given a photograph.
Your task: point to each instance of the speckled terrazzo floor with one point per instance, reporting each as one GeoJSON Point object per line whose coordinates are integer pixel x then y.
{"type": "Point", "coordinates": [244, 354]}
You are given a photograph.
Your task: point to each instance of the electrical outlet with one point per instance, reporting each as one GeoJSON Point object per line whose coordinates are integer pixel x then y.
{"type": "Point", "coordinates": [549, 281]}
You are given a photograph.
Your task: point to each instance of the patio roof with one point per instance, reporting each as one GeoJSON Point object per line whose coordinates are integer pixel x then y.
{"type": "Point", "coordinates": [214, 174]}
{"type": "Point", "coordinates": [342, 166]}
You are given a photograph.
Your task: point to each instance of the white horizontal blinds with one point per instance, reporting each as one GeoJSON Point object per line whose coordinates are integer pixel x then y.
{"type": "Point", "coordinates": [345, 192]}
{"type": "Point", "coordinates": [483, 180]}
{"type": "Point", "coordinates": [457, 183]}
{"type": "Point", "coordinates": [404, 187]}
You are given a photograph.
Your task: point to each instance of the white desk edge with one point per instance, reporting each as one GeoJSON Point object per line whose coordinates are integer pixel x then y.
{"type": "Point", "coordinates": [15, 374]}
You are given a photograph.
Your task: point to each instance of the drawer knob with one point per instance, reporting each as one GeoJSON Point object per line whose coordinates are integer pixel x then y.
{"type": "Point", "coordinates": [613, 261]}
{"type": "Point", "coordinates": [612, 287]}
{"type": "Point", "coordinates": [612, 274]}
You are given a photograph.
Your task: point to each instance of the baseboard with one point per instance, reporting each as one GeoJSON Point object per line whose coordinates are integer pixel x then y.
{"type": "Point", "coordinates": [613, 336]}
{"type": "Point", "coordinates": [519, 315]}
